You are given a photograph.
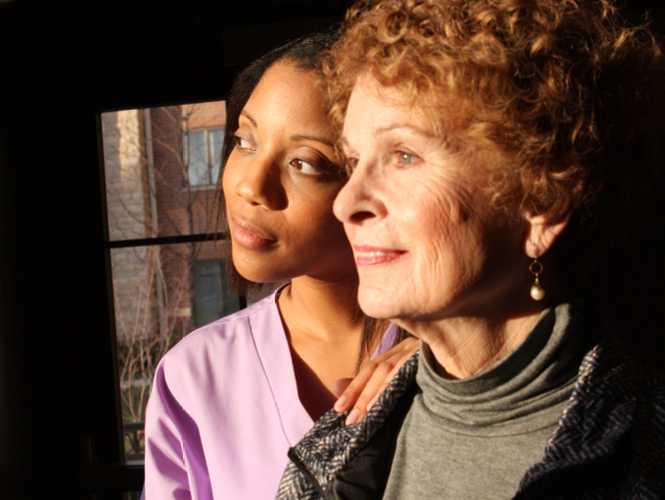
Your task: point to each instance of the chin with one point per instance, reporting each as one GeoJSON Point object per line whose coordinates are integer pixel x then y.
{"type": "Point", "coordinates": [376, 303]}
{"type": "Point", "coordinates": [250, 271]}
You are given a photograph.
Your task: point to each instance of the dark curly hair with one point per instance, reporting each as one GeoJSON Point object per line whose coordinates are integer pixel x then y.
{"type": "Point", "coordinates": [566, 89]}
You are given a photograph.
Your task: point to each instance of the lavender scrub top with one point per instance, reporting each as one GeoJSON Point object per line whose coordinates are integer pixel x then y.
{"type": "Point", "coordinates": [224, 410]}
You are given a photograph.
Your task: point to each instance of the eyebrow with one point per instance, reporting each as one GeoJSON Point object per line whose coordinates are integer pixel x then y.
{"type": "Point", "coordinates": [316, 138]}
{"type": "Point", "coordinates": [394, 126]}
{"type": "Point", "coordinates": [249, 117]}
{"type": "Point", "coordinates": [295, 138]}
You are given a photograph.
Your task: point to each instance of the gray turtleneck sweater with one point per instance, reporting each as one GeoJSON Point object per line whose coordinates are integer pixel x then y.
{"type": "Point", "coordinates": [475, 438]}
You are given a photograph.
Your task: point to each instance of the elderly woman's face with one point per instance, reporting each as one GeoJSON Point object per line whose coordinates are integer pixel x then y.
{"type": "Point", "coordinates": [426, 242]}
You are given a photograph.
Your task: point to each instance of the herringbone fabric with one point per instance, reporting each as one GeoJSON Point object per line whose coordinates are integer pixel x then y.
{"type": "Point", "coordinates": [330, 445]}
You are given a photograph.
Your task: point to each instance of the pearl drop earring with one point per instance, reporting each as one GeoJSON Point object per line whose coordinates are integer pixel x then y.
{"type": "Point", "coordinates": [537, 291]}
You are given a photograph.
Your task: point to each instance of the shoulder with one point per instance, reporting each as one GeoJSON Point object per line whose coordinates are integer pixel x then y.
{"type": "Point", "coordinates": [651, 384]}
{"type": "Point", "coordinates": [627, 408]}
{"type": "Point", "coordinates": [234, 330]}
{"type": "Point", "coordinates": [222, 345]}
{"type": "Point", "coordinates": [618, 400]}
{"type": "Point", "coordinates": [608, 372]}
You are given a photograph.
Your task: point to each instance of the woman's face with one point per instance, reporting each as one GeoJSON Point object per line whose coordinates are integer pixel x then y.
{"type": "Point", "coordinates": [426, 241]}
{"type": "Point", "coordinates": [279, 184]}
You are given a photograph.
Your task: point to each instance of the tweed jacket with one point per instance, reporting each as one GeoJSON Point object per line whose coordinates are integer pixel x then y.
{"type": "Point", "coordinates": [609, 442]}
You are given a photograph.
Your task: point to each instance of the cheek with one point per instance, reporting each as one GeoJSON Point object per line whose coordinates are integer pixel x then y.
{"type": "Point", "coordinates": [436, 235]}
{"type": "Point", "coordinates": [329, 228]}
{"type": "Point", "coordinates": [312, 216]}
{"type": "Point", "coordinates": [443, 223]}
{"type": "Point", "coordinates": [228, 178]}
{"type": "Point", "coordinates": [430, 214]}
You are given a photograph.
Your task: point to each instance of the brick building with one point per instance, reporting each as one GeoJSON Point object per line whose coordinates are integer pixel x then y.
{"type": "Point", "coordinates": [186, 144]}
{"type": "Point", "coordinates": [161, 167]}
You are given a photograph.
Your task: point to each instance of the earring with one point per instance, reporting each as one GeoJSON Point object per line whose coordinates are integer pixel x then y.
{"type": "Point", "coordinates": [537, 291]}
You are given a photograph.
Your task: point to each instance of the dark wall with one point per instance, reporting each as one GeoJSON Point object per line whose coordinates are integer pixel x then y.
{"type": "Point", "coordinates": [61, 63]}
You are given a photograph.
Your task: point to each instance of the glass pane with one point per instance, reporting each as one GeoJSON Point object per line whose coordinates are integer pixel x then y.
{"type": "Point", "coordinates": [197, 169]}
{"type": "Point", "coordinates": [207, 304]}
{"type": "Point", "coordinates": [125, 165]}
{"type": "Point", "coordinates": [216, 142]}
{"type": "Point", "coordinates": [156, 295]}
{"type": "Point", "coordinates": [146, 170]}
{"type": "Point", "coordinates": [213, 300]}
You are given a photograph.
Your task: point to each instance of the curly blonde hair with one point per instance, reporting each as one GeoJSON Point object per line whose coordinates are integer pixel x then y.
{"type": "Point", "coordinates": [565, 88]}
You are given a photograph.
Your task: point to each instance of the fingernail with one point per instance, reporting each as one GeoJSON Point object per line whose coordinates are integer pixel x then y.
{"type": "Point", "coordinates": [339, 404]}
{"type": "Point", "coordinates": [371, 403]}
{"type": "Point", "coordinates": [353, 416]}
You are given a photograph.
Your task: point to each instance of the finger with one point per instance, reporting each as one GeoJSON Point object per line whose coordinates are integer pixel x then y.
{"type": "Point", "coordinates": [339, 386]}
{"type": "Point", "coordinates": [357, 387]}
{"type": "Point", "coordinates": [388, 379]}
{"type": "Point", "coordinates": [380, 379]}
{"type": "Point", "coordinates": [354, 389]}
{"type": "Point", "coordinates": [371, 389]}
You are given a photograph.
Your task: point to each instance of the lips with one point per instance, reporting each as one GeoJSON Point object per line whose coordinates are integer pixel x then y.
{"type": "Point", "coordinates": [371, 256]}
{"type": "Point", "coordinates": [250, 236]}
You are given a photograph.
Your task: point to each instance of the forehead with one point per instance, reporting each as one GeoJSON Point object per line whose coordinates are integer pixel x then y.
{"type": "Point", "coordinates": [286, 87]}
{"type": "Point", "coordinates": [376, 109]}
{"type": "Point", "coordinates": [374, 102]}
{"type": "Point", "coordinates": [444, 116]}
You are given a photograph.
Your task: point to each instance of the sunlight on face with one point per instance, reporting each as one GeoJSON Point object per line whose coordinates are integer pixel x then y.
{"type": "Point", "coordinates": [426, 243]}
{"type": "Point", "coordinates": [279, 183]}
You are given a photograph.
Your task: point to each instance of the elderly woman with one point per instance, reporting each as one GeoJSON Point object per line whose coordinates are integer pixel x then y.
{"type": "Point", "coordinates": [491, 144]}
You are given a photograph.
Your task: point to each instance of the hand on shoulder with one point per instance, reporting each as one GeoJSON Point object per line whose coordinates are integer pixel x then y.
{"type": "Point", "coordinates": [362, 392]}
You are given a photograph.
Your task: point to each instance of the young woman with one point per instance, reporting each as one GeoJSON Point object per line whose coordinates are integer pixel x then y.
{"type": "Point", "coordinates": [231, 398]}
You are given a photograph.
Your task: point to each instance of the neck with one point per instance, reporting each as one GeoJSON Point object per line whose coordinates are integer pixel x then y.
{"type": "Point", "coordinates": [324, 325]}
{"type": "Point", "coordinates": [324, 310]}
{"type": "Point", "coordinates": [466, 345]}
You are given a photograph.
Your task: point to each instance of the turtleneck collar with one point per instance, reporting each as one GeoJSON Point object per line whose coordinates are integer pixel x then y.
{"type": "Point", "coordinates": [524, 388]}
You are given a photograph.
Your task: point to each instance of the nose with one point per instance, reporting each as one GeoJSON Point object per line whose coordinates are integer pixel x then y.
{"type": "Point", "coordinates": [359, 202]}
{"type": "Point", "coordinates": [261, 184]}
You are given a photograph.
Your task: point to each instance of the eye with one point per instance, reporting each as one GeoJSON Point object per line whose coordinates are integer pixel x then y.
{"type": "Point", "coordinates": [305, 167]}
{"type": "Point", "coordinates": [406, 159]}
{"type": "Point", "coordinates": [243, 143]}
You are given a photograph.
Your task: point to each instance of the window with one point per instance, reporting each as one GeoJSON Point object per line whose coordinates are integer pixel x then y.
{"type": "Point", "coordinates": [167, 251]}
{"type": "Point", "coordinates": [213, 300]}
{"type": "Point", "coordinates": [204, 156]}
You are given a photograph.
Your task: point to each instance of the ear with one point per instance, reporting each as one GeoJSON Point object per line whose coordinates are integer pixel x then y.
{"type": "Point", "coordinates": [541, 232]}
